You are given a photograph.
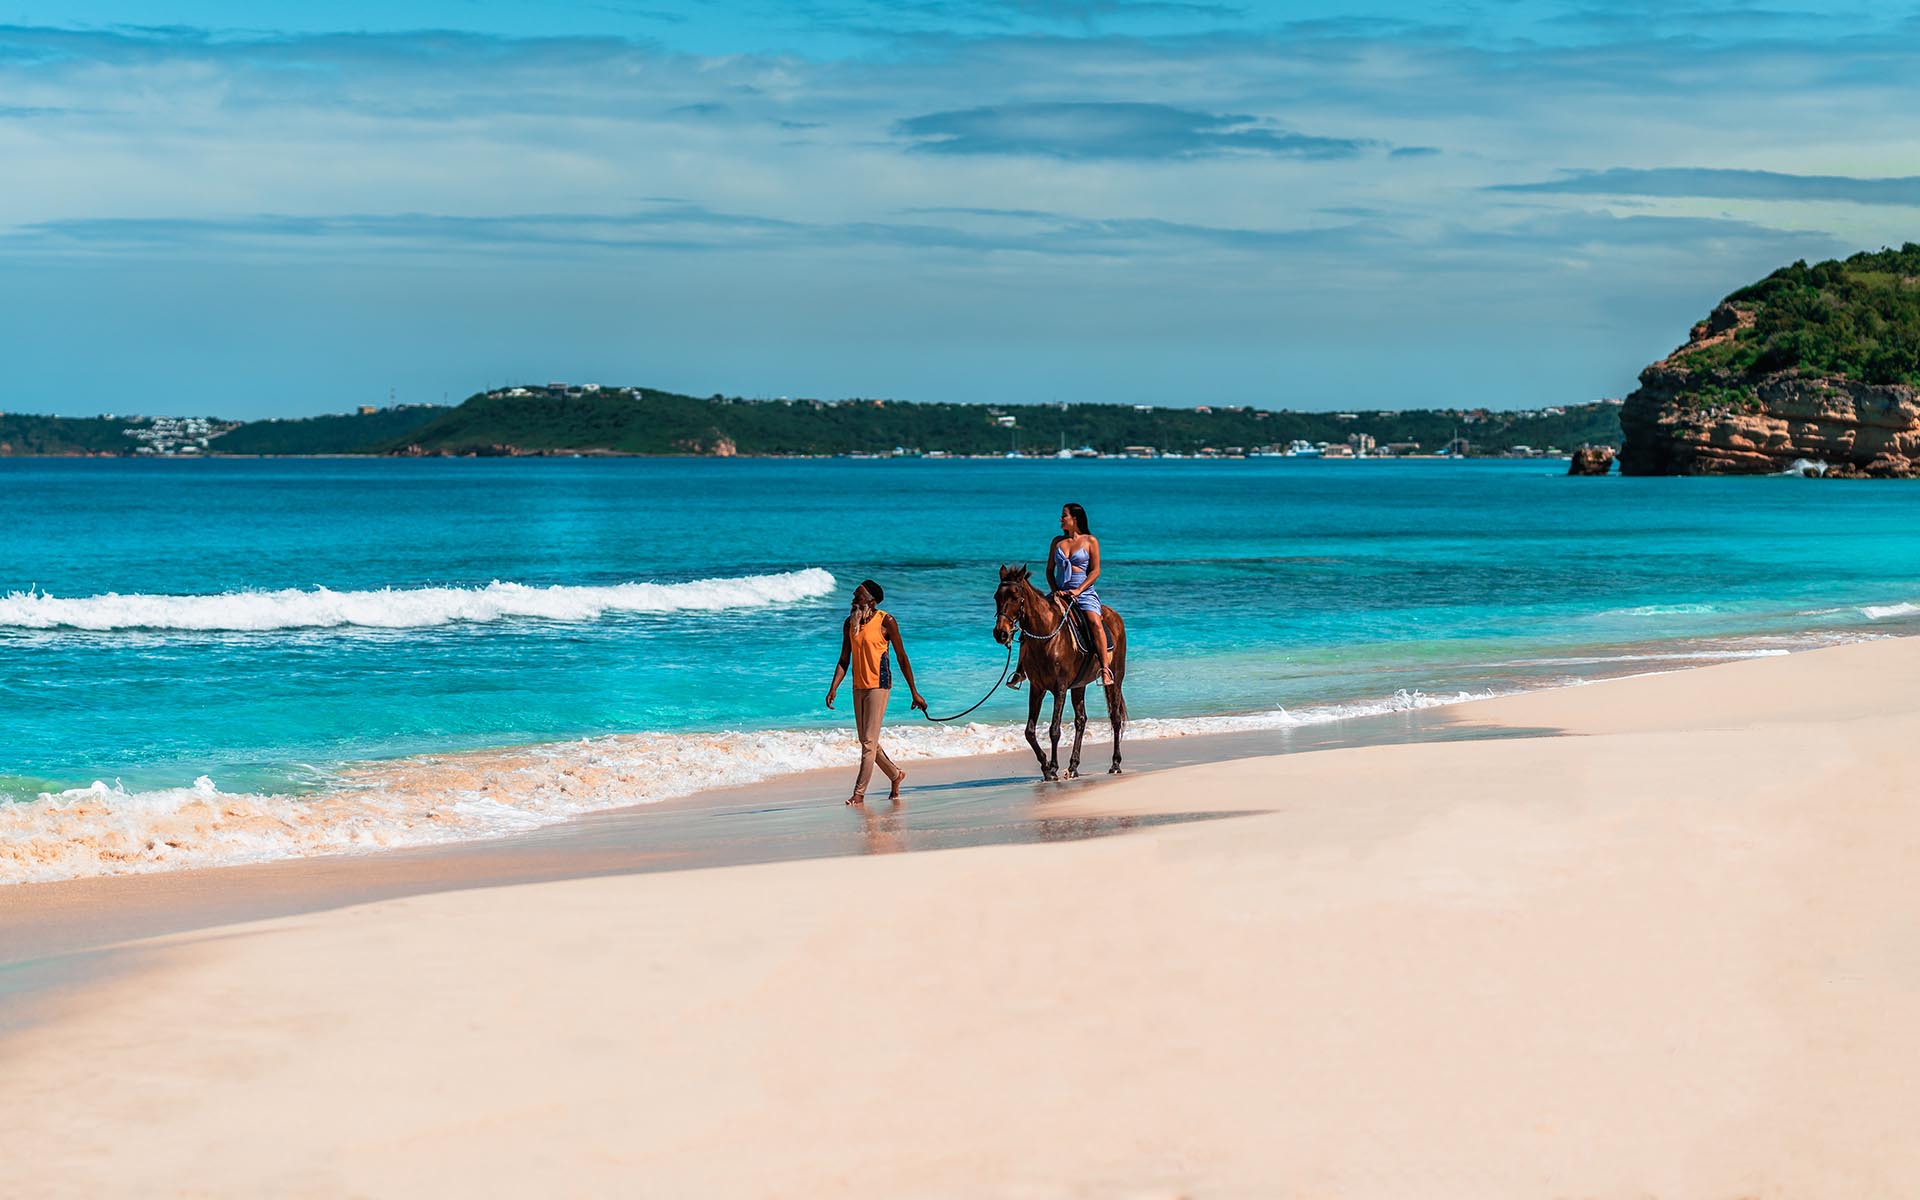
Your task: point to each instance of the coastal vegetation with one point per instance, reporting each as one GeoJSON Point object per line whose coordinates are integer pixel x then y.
{"type": "Point", "coordinates": [25, 434]}
{"type": "Point", "coordinates": [337, 433]}
{"type": "Point", "coordinates": [648, 421]}
{"type": "Point", "coordinates": [1856, 318]}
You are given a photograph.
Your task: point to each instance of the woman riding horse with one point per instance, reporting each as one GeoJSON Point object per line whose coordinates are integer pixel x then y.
{"type": "Point", "coordinates": [1058, 665]}
{"type": "Point", "coordinates": [1073, 566]}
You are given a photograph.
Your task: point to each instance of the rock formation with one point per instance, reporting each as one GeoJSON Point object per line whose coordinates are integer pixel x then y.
{"type": "Point", "coordinates": [1689, 421]}
{"type": "Point", "coordinates": [1812, 369]}
{"type": "Point", "coordinates": [1591, 460]}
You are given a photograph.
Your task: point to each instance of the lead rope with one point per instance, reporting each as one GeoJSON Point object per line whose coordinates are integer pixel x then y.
{"type": "Point", "coordinates": [1012, 643]}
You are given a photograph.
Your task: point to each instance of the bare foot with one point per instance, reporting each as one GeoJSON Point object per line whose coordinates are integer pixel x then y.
{"type": "Point", "coordinates": [1106, 676]}
{"type": "Point", "coordinates": [857, 798]}
{"type": "Point", "coordinates": [895, 793]}
{"type": "Point", "coordinates": [1018, 679]}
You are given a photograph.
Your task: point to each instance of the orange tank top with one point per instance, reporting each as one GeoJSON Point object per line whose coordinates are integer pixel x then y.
{"type": "Point", "coordinates": [868, 651]}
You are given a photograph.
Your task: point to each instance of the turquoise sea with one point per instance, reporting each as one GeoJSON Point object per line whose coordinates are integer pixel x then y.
{"type": "Point", "coordinates": [221, 660]}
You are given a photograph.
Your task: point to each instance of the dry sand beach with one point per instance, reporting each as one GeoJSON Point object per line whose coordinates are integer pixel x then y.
{"type": "Point", "coordinates": [1669, 953]}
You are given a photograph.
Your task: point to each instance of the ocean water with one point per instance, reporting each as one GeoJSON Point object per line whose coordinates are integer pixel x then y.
{"type": "Point", "coordinates": [221, 661]}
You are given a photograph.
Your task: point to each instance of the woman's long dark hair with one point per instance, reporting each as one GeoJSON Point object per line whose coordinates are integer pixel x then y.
{"type": "Point", "coordinates": [1079, 516]}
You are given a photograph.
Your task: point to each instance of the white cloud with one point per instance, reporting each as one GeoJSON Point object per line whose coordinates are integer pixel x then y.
{"type": "Point", "coordinates": [526, 161]}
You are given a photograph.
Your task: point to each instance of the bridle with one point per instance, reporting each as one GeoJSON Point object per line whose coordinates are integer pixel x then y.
{"type": "Point", "coordinates": [1019, 603]}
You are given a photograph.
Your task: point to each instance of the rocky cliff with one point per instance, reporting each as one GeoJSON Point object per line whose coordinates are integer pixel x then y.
{"type": "Point", "coordinates": [1814, 364]}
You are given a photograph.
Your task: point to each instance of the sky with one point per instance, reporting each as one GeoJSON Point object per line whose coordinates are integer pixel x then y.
{"type": "Point", "coordinates": [270, 208]}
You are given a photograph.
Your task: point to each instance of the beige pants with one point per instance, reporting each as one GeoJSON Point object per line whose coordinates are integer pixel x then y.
{"type": "Point", "coordinates": [869, 705]}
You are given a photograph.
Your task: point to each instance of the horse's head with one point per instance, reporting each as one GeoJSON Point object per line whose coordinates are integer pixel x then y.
{"type": "Point", "coordinates": [1009, 601]}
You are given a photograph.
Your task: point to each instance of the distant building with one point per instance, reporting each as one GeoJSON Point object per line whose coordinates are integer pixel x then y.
{"type": "Point", "coordinates": [367, 410]}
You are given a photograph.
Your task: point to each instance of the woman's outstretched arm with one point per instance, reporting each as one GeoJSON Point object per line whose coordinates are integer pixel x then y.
{"type": "Point", "coordinates": [906, 668]}
{"type": "Point", "coordinates": [846, 651]}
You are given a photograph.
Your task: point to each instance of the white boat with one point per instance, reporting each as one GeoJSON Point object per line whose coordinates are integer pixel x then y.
{"type": "Point", "coordinates": [1302, 449]}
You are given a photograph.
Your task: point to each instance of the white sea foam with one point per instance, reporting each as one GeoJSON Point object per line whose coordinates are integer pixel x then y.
{"type": "Point", "coordinates": [1659, 610]}
{"type": "Point", "coordinates": [1601, 660]}
{"type": "Point", "coordinates": [403, 608]}
{"type": "Point", "coordinates": [105, 829]}
{"type": "Point", "coordinates": [1880, 612]}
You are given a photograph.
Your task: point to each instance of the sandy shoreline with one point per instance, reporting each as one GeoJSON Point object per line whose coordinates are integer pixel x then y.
{"type": "Point", "coordinates": [1668, 954]}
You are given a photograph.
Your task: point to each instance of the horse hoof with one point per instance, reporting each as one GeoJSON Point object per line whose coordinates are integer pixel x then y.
{"type": "Point", "coordinates": [1073, 774]}
{"type": "Point", "coordinates": [1115, 771]}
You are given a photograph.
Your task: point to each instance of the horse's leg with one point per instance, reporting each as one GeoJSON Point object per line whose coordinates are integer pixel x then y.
{"type": "Point", "coordinates": [1053, 731]}
{"type": "Point", "coordinates": [1033, 725]}
{"type": "Point", "coordinates": [1079, 730]}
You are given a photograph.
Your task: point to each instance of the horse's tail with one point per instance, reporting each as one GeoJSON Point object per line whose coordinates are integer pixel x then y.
{"type": "Point", "coordinates": [1116, 700]}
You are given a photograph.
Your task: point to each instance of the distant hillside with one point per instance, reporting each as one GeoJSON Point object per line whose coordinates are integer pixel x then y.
{"type": "Point", "coordinates": [63, 435]}
{"type": "Point", "coordinates": [646, 421]}
{"type": "Point", "coordinates": [340, 433]}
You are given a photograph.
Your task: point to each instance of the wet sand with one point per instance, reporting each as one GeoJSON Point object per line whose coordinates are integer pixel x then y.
{"type": "Point", "coordinates": [949, 803]}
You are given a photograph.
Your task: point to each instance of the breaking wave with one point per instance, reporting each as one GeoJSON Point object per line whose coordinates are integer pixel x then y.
{"type": "Point", "coordinates": [1880, 612]}
{"type": "Point", "coordinates": [106, 830]}
{"type": "Point", "coordinates": [402, 608]}
{"type": "Point", "coordinates": [1805, 467]}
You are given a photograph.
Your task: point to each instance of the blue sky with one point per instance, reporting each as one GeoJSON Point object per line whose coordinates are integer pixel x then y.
{"type": "Point", "coordinates": [270, 208]}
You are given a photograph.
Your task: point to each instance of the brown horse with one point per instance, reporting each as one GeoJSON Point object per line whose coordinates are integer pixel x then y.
{"type": "Point", "coordinates": [1055, 663]}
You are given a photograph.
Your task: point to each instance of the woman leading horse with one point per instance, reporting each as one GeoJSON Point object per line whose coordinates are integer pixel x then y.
{"type": "Point", "coordinates": [864, 641]}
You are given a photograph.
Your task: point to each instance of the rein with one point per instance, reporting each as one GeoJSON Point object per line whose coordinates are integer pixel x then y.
{"type": "Point", "coordinates": [1004, 671]}
{"type": "Point", "coordinates": [1020, 625]}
